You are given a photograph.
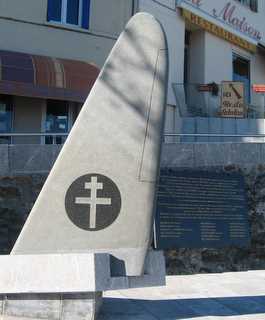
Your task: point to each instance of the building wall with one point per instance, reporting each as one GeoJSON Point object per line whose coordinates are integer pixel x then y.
{"type": "Point", "coordinates": [210, 56]}
{"type": "Point", "coordinates": [110, 17]}
{"type": "Point", "coordinates": [196, 57]}
{"type": "Point", "coordinates": [25, 29]}
{"type": "Point", "coordinates": [174, 28]}
{"type": "Point", "coordinates": [218, 59]}
{"type": "Point", "coordinates": [27, 118]}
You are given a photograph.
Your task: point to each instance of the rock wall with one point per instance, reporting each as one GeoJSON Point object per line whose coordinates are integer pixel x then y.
{"type": "Point", "coordinates": [17, 196]}
{"type": "Point", "coordinates": [189, 261]}
{"type": "Point", "coordinates": [245, 158]}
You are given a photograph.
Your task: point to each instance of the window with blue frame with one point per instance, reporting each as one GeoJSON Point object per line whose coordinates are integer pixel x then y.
{"type": "Point", "coordinates": [72, 12]}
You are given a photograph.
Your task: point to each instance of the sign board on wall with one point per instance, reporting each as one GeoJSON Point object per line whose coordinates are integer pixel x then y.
{"type": "Point", "coordinates": [232, 100]}
{"type": "Point", "coordinates": [229, 15]}
{"type": "Point", "coordinates": [258, 88]}
{"type": "Point", "coordinates": [217, 31]}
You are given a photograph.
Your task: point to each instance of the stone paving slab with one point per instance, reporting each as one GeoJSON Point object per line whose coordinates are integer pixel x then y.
{"type": "Point", "coordinates": [228, 296]}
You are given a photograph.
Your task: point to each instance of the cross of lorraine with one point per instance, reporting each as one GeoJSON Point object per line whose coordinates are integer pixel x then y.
{"type": "Point", "coordinates": [93, 201]}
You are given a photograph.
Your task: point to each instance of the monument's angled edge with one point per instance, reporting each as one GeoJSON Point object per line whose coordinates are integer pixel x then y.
{"type": "Point", "coordinates": [99, 196]}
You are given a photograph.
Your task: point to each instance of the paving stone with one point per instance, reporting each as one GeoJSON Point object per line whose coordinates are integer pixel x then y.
{"type": "Point", "coordinates": [201, 302]}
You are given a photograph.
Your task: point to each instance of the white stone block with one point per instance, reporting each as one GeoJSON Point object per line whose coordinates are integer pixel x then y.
{"type": "Point", "coordinates": [73, 273]}
{"type": "Point", "coordinates": [55, 273]}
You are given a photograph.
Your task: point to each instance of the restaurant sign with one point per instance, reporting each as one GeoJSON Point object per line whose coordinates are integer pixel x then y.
{"type": "Point", "coordinates": [218, 31]}
{"type": "Point", "coordinates": [232, 100]}
{"type": "Point", "coordinates": [229, 15]}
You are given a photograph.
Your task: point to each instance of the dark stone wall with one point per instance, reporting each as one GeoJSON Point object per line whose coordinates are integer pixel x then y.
{"type": "Point", "coordinates": [189, 261]}
{"type": "Point", "coordinates": [19, 192]}
{"type": "Point", "coordinates": [17, 196]}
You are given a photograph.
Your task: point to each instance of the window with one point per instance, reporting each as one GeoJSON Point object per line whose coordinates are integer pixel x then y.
{"type": "Point", "coordinates": [252, 4]}
{"type": "Point", "coordinates": [72, 12]}
{"type": "Point", "coordinates": [241, 73]}
{"type": "Point", "coordinates": [5, 117]}
{"type": "Point", "coordinates": [57, 120]}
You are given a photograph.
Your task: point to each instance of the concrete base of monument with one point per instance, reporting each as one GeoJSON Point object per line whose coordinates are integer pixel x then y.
{"type": "Point", "coordinates": [83, 306]}
{"type": "Point", "coordinates": [66, 286]}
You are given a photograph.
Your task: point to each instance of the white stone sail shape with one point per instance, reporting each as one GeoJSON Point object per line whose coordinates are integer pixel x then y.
{"type": "Point", "coordinates": [100, 194]}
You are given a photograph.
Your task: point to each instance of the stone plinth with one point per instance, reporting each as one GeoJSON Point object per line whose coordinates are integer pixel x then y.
{"type": "Point", "coordinates": [84, 306]}
{"type": "Point", "coordinates": [65, 286]}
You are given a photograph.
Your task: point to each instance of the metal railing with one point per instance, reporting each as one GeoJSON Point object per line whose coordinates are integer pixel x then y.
{"type": "Point", "coordinates": [166, 135]}
{"type": "Point", "coordinates": [7, 136]}
{"type": "Point", "coordinates": [214, 135]}
{"type": "Point", "coordinates": [254, 137]}
{"type": "Point", "coordinates": [194, 100]}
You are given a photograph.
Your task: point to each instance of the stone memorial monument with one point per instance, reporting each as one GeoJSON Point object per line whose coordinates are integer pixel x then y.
{"type": "Point", "coordinates": [91, 226]}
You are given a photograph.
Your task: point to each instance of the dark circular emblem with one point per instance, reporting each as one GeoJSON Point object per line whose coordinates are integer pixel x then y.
{"type": "Point", "coordinates": [93, 202]}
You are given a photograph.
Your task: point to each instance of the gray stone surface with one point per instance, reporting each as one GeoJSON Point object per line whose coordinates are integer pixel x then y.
{"type": "Point", "coordinates": [154, 274]}
{"type": "Point", "coordinates": [52, 306]}
{"type": "Point", "coordinates": [227, 296]}
{"type": "Point", "coordinates": [81, 273]}
{"type": "Point", "coordinates": [173, 154]}
{"type": "Point", "coordinates": [177, 155]}
{"type": "Point", "coordinates": [75, 273]}
{"type": "Point", "coordinates": [244, 154]}
{"type": "Point", "coordinates": [33, 305]}
{"type": "Point", "coordinates": [131, 89]}
{"type": "Point", "coordinates": [212, 154]}
{"type": "Point", "coordinates": [79, 307]}
{"type": "Point", "coordinates": [32, 158]}
{"type": "Point", "coordinates": [18, 194]}
{"type": "Point", "coordinates": [54, 273]}
{"type": "Point", "coordinates": [4, 163]}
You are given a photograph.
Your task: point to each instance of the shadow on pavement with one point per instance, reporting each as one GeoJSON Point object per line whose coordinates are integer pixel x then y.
{"type": "Point", "coordinates": [177, 309]}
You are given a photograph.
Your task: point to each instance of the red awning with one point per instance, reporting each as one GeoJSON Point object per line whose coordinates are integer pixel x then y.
{"type": "Point", "coordinates": [45, 77]}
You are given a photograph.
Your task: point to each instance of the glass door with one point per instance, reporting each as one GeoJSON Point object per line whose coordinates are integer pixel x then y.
{"type": "Point", "coordinates": [57, 121]}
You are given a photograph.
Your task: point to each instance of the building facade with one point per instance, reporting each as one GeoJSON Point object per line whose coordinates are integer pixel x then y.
{"type": "Point", "coordinates": [211, 42]}
{"type": "Point", "coordinates": [51, 52]}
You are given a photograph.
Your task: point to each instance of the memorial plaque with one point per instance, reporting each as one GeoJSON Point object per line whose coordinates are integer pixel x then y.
{"type": "Point", "coordinates": [199, 209]}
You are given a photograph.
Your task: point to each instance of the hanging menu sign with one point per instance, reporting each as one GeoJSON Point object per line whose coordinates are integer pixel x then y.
{"type": "Point", "coordinates": [232, 100]}
{"type": "Point", "coordinates": [199, 209]}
